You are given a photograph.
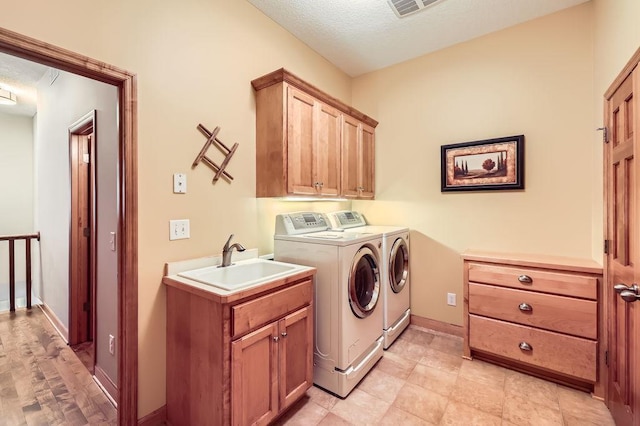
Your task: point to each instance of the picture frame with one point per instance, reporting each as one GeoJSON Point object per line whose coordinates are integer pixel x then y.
{"type": "Point", "coordinates": [484, 165]}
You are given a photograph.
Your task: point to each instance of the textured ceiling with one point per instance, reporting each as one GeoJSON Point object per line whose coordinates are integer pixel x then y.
{"type": "Point", "coordinates": [20, 77]}
{"type": "Point", "coordinates": [360, 36]}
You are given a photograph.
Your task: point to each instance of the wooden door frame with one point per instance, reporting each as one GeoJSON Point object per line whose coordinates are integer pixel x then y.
{"type": "Point", "coordinates": [606, 293]}
{"type": "Point", "coordinates": [127, 199]}
{"type": "Point", "coordinates": [82, 127]}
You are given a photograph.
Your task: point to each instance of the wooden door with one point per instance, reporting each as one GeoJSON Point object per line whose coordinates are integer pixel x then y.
{"type": "Point", "coordinates": [300, 145]}
{"type": "Point", "coordinates": [327, 149]}
{"type": "Point", "coordinates": [80, 272]}
{"type": "Point", "coordinates": [296, 355]}
{"type": "Point", "coordinates": [350, 157]}
{"type": "Point", "coordinates": [622, 262]}
{"type": "Point", "coordinates": [254, 377]}
{"type": "Point", "coordinates": [367, 173]}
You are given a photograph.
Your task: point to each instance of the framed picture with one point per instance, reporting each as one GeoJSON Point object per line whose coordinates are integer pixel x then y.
{"type": "Point", "coordinates": [489, 164]}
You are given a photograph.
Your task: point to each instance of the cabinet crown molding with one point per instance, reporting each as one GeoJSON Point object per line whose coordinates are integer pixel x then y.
{"type": "Point", "coordinates": [282, 75]}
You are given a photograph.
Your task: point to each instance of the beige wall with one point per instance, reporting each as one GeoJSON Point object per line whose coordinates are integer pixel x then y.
{"type": "Point", "coordinates": [534, 79]}
{"type": "Point", "coordinates": [194, 60]}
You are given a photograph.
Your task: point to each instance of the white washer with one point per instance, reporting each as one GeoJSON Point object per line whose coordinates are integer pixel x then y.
{"type": "Point", "coordinates": [348, 339]}
{"type": "Point", "coordinates": [396, 291]}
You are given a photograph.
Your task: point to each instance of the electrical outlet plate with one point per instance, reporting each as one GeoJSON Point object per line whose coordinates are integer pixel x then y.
{"type": "Point", "coordinates": [179, 229]}
{"type": "Point", "coordinates": [451, 299]}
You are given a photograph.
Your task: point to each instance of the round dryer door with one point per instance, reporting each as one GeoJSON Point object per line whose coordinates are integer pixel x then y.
{"type": "Point", "coordinates": [364, 283]}
{"type": "Point", "coordinates": [398, 265]}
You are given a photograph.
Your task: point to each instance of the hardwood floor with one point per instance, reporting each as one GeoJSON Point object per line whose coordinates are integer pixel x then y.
{"type": "Point", "coordinates": [42, 381]}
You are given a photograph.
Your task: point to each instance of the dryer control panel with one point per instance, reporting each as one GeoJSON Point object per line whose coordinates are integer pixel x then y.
{"type": "Point", "coordinates": [301, 223]}
{"type": "Point", "coordinates": [348, 219]}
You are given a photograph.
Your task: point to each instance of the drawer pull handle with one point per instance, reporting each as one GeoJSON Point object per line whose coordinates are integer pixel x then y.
{"type": "Point", "coordinates": [525, 279]}
{"type": "Point", "coordinates": [276, 338]}
{"type": "Point", "coordinates": [525, 346]}
{"type": "Point", "coordinates": [284, 334]}
{"type": "Point", "coordinates": [525, 307]}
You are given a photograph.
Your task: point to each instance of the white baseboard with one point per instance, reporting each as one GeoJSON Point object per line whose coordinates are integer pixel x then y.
{"type": "Point", "coordinates": [55, 321]}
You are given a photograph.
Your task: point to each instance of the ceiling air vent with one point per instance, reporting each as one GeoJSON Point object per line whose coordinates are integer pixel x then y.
{"type": "Point", "coordinates": [403, 8]}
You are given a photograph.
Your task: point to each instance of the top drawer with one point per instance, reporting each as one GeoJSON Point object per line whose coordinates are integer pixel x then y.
{"type": "Point", "coordinates": [257, 312]}
{"type": "Point", "coordinates": [575, 285]}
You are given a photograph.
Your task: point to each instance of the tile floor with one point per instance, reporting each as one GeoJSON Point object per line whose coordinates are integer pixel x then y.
{"type": "Point", "coordinates": [423, 380]}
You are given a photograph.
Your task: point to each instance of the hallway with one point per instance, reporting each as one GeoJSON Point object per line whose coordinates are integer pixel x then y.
{"type": "Point", "coordinates": [42, 381]}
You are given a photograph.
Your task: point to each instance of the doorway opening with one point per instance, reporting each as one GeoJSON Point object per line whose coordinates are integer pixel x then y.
{"type": "Point", "coordinates": [82, 239]}
{"type": "Point", "coordinates": [127, 210]}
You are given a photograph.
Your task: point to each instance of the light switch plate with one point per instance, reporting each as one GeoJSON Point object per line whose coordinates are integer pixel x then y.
{"type": "Point", "coordinates": [179, 183]}
{"type": "Point", "coordinates": [179, 229]}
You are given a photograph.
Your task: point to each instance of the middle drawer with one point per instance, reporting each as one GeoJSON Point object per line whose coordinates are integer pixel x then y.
{"type": "Point", "coordinates": [551, 312]}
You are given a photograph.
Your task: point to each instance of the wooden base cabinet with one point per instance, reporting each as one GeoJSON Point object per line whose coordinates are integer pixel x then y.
{"type": "Point", "coordinates": [269, 369]}
{"type": "Point", "coordinates": [538, 314]}
{"type": "Point", "coordinates": [239, 360]}
{"type": "Point", "coordinates": [309, 143]}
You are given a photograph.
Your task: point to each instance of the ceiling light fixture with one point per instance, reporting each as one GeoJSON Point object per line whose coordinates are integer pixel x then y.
{"type": "Point", "coordinates": [7, 97]}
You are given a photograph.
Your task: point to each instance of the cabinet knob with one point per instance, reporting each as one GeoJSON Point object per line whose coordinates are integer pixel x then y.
{"type": "Point", "coordinates": [276, 338]}
{"type": "Point", "coordinates": [525, 346]}
{"type": "Point", "coordinates": [284, 334]}
{"type": "Point", "coordinates": [525, 307]}
{"type": "Point", "coordinates": [525, 279]}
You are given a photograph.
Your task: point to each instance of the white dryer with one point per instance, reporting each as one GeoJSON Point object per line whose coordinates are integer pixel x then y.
{"type": "Point", "coordinates": [396, 291]}
{"type": "Point", "coordinates": [348, 339]}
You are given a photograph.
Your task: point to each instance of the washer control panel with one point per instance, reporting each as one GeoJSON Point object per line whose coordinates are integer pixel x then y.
{"type": "Point", "coordinates": [348, 219]}
{"type": "Point", "coordinates": [300, 223]}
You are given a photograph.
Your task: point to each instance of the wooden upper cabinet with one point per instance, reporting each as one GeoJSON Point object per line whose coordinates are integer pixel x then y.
{"type": "Point", "coordinates": [300, 141]}
{"type": "Point", "coordinates": [358, 158]}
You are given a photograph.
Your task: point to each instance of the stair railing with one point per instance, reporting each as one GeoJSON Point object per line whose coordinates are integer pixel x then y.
{"type": "Point", "coordinates": [12, 267]}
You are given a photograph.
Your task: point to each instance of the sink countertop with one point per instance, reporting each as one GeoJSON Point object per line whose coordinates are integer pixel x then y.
{"type": "Point", "coordinates": [172, 279]}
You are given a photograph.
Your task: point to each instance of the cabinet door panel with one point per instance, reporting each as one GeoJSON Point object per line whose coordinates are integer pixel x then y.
{"type": "Point", "coordinates": [367, 162]}
{"type": "Point", "coordinates": [254, 377]}
{"type": "Point", "coordinates": [327, 146]}
{"type": "Point", "coordinates": [350, 157]}
{"type": "Point", "coordinates": [296, 346]}
{"type": "Point", "coordinates": [300, 129]}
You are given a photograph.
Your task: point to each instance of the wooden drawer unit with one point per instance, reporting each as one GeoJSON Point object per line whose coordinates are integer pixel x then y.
{"type": "Point", "coordinates": [534, 313]}
{"type": "Point", "coordinates": [556, 313]}
{"type": "Point", "coordinates": [531, 279]}
{"type": "Point", "coordinates": [250, 315]}
{"type": "Point", "coordinates": [573, 356]}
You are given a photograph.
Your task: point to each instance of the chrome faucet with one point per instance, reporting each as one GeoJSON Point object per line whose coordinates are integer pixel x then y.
{"type": "Point", "coordinates": [227, 250]}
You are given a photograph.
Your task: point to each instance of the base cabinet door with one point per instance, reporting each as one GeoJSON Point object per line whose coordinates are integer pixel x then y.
{"type": "Point", "coordinates": [295, 346]}
{"type": "Point", "coordinates": [254, 377]}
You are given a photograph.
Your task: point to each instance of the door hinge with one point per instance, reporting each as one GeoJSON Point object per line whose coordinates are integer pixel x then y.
{"type": "Point", "coordinates": [606, 358]}
{"type": "Point", "coordinates": [605, 134]}
{"type": "Point", "coordinates": [86, 232]}
{"type": "Point", "coordinates": [85, 307]}
{"type": "Point", "coordinates": [606, 246]}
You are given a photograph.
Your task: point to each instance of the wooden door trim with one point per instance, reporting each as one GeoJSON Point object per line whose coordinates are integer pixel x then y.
{"type": "Point", "coordinates": [628, 69]}
{"type": "Point", "coordinates": [127, 243]}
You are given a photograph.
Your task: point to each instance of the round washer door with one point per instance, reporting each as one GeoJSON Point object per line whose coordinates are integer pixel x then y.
{"type": "Point", "coordinates": [364, 283]}
{"type": "Point", "coordinates": [398, 265]}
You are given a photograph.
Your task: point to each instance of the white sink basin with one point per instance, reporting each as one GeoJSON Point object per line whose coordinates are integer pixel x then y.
{"type": "Point", "coordinates": [242, 274]}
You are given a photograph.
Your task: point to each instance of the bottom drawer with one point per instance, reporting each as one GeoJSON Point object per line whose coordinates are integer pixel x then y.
{"type": "Point", "coordinates": [572, 356]}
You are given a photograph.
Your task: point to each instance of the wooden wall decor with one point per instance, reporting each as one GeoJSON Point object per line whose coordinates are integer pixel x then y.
{"type": "Point", "coordinates": [212, 139]}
